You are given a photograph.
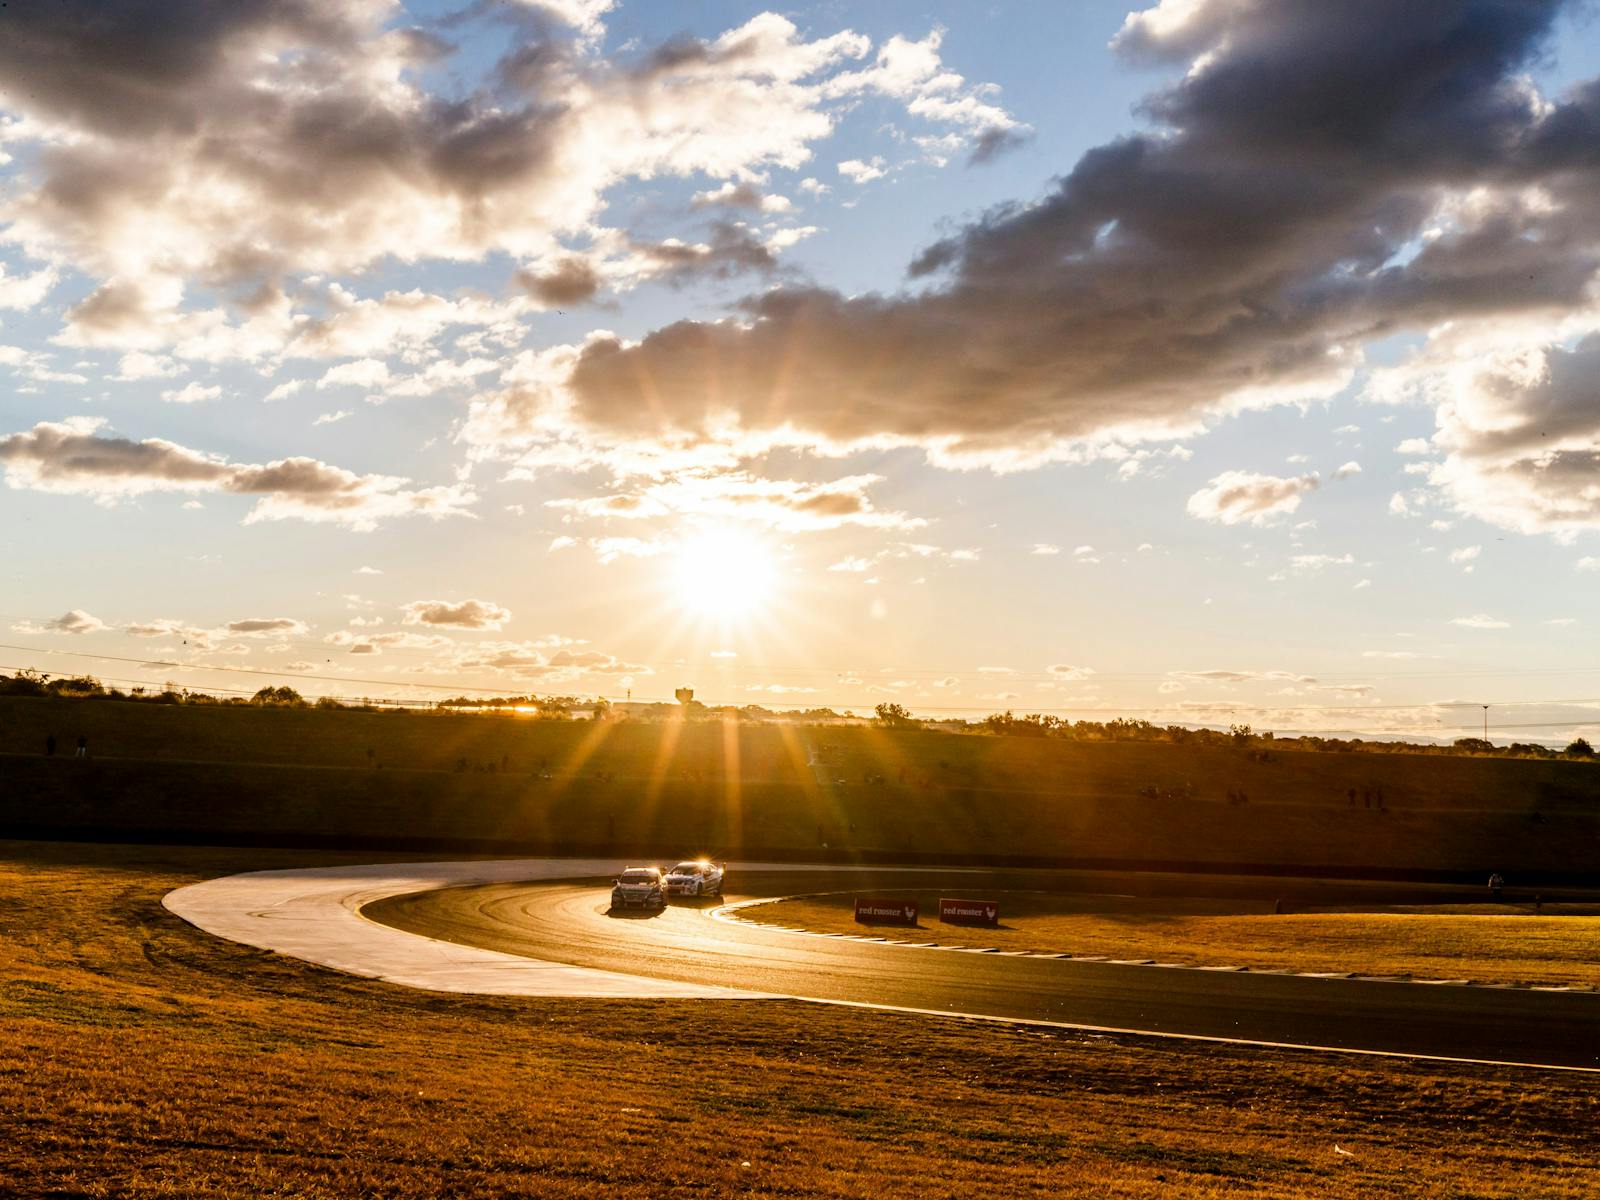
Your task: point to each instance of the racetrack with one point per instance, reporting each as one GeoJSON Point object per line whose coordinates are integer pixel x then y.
{"type": "Point", "coordinates": [542, 927]}
{"type": "Point", "coordinates": [568, 922]}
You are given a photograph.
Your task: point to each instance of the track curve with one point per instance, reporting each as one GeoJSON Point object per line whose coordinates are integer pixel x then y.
{"type": "Point", "coordinates": [568, 922]}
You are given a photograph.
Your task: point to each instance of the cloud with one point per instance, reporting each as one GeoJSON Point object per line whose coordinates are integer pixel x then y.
{"type": "Point", "coordinates": [377, 643]}
{"type": "Point", "coordinates": [1231, 677]}
{"type": "Point", "coordinates": [201, 639]}
{"type": "Point", "coordinates": [284, 390]}
{"type": "Point", "coordinates": [853, 564]}
{"type": "Point", "coordinates": [1312, 563]}
{"type": "Point", "coordinates": [857, 171]}
{"type": "Point", "coordinates": [1480, 621]}
{"type": "Point", "coordinates": [1466, 556]}
{"type": "Point", "coordinates": [1045, 548]}
{"type": "Point", "coordinates": [733, 494]}
{"type": "Point", "coordinates": [74, 621]}
{"type": "Point", "coordinates": [742, 195]}
{"type": "Point", "coordinates": [72, 457]}
{"type": "Point", "coordinates": [191, 393]}
{"type": "Point", "coordinates": [136, 365]}
{"type": "Point", "coordinates": [992, 143]}
{"type": "Point", "coordinates": [528, 660]}
{"type": "Point", "coordinates": [277, 138]}
{"type": "Point", "coordinates": [1280, 213]}
{"type": "Point", "coordinates": [26, 291]}
{"type": "Point", "coordinates": [1520, 431]}
{"type": "Point", "coordinates": [571, 279]}
{"type": "Point", "coordinates": [609, 549]}
{"type": "Point", "coordinates": [464, 614]}
{"type": "Point", "coordinates": [1346, 471]}
{"type": "Point", "coordinates": [363, 373]}
{"type": "Point", "coordinates": [1236, 497]}
{"type": "Point", "coordinates": [1063, 671]}
{"type": "Point", "coordinates": [265, 627]}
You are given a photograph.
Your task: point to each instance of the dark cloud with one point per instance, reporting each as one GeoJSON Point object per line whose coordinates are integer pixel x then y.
{"type": "Point", "coordinates": [1323, 175]}
{"type": "Point", "coordinates": [73, 457]}
{"type": "Point", "coordinates": [70, 453]}
{"type": "Point", "coordinates": [992, 143]}
{"type": "Point", "coordinates": [247, 142]}
{"type": "Point", "coordinates": [141, 66]}
{"type": "Point", "coordinates": [572, 281]}
{"type": "Point", "coordinates": [265, 627]}
{"type": "Point", "coordinates": [75, 621]}
{"type": "Point", "coordinates": [733, 249]}
{"type": "Point", "coordinates": [464, 614]}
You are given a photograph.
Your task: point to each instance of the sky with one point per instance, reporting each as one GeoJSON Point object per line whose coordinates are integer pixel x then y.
{"type": "Point", "coordinates": [1209, 362]}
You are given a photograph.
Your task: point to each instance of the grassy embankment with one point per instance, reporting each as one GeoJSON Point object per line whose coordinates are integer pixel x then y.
{"type": "Point", "coordinates": [140, 1057]}
{"type": "Point", "coordinates": [280, 774]}
{"type": "Point", "coordinates": [1485, 943]}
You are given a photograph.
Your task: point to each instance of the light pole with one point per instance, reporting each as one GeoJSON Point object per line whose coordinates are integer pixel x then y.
{"type": "Point", "coordinates": [1486, 722]}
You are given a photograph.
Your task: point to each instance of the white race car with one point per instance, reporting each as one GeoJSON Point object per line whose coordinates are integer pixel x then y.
{"type": "Point", "coordinates": [697, 877]}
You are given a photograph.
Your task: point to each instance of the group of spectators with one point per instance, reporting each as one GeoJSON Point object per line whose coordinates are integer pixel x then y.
{"type": "Point", "coordinates": [50, 746]}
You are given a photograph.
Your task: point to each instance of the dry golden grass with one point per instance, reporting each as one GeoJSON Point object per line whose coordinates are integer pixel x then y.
{"type": "Point", "coordinates": [1489, 943]}
{"type": "Point", "coordinates": [140, 1057]}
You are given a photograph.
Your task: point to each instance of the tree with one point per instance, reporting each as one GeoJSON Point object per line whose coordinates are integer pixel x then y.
{"type": "Point", "coordinates": [1579, 748]}
{"type": "Point", "coordinates": [278, 695]}
{"type": "Point", "coordinates": [895, 716]}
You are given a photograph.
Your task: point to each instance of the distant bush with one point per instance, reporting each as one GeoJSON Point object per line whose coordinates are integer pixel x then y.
{"type": "Point", "coordinates": [23, 683]}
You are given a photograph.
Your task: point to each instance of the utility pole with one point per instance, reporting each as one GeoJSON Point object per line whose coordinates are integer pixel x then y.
{"type": "Point", "coordinates": [1486, 722]}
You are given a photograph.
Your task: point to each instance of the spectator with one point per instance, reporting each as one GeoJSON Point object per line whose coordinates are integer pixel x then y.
{"type": "Point", "coordinates": [83, 746]}
{"type": "Point", "coordinates": [1496, 883]}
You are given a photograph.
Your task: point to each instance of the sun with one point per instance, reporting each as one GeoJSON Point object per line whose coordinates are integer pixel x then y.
{"type": "Point", "coordinates": [723, 573]}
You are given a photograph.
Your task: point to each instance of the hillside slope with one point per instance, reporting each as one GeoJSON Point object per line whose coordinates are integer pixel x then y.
{"type": "Point", "coordinates": [300, 775]}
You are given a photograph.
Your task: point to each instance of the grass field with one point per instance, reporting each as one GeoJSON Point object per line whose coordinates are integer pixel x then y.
{"type": "Point", "coordinates": [140, 1057]}
{"type": "Point", "coordinates": [199, 772]}
{"type": "Point", "coordinates": [1489, 943]}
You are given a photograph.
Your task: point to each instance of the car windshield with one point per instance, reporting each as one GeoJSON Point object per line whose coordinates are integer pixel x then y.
{"type": "Point", "coordinates": [686, 869]}
{"type": "Point", "coordinates": [638, 877]}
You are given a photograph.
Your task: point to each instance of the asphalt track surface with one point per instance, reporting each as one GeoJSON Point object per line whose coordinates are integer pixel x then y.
{"type": "Point", "coordinates": [570, 922]}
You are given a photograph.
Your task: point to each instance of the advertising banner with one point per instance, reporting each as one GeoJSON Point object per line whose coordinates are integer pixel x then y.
{"type": "Point", "coordinates": [873, 911]}
{"type": "Point", "coordinates": [969, 912]}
